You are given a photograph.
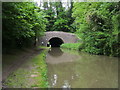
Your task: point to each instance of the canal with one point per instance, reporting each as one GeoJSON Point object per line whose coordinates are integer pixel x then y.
{"type": "Point", "coordinates": [61, 68]}
{"type": "Point", "coordinates": [72, 69]}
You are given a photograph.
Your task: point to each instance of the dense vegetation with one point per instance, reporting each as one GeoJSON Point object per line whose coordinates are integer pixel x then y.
{"type": "Point", "coordinates": [59, 17]}
{"type": "Point", "coordinates": [98, 25]}
{"type": "Point", "coordinates": [22, 23]}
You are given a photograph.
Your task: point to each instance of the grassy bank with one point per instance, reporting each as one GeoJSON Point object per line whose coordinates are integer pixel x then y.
{"type": "Point", "coordinates": [41, 71]}
{"type": "Point", "coordinates": [72, 46]}
{"type": "Point", "coordinates": [31, 74]}
{"type": "Point", "coordinates": [42, 47]}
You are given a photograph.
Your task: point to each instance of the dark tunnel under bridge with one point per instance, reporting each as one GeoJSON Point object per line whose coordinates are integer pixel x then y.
{"type": "Point", "coordinates": [55, 42]}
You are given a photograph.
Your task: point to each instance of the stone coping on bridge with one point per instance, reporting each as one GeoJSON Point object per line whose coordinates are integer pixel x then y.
{"type": "Point", "coordinates": [59, 32]}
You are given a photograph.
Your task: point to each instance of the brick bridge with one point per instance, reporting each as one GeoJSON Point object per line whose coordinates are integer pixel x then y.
{"type": "Point", "coordinates": [56, 38]}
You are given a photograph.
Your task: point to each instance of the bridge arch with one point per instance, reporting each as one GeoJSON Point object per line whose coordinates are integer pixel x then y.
{"type": "Point", "coordinates": [57, 37]}
{"type": "Point", "coordinates": [55, 41]}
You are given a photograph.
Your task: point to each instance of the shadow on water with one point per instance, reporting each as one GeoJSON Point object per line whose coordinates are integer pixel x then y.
{"type": "Point", "coordinates": [55, 52]}
{"type": "Point", "coordinates": [70, 69]}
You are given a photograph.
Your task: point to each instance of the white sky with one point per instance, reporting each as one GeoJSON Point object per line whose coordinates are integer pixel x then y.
{"type": "Point", "coordinates": [38, 1]}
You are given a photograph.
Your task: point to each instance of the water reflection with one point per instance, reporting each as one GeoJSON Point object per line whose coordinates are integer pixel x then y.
{"type": "Point", "coordinates": [56, 55]}
{"type": "Point", "coordinates": [81, 70]}
{"type": "Point", "coordinates": [55, 52]}
{"type": "Point", "coordinates": [54, 80]}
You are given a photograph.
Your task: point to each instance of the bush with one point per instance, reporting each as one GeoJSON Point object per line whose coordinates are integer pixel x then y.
{"type": "Point", "coordinates": [98, 25]}
{"type": "Point", "coordinates": [74, 46]}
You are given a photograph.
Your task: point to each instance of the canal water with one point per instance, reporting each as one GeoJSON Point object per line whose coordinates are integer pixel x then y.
{"type": "Point", "coordinates": [72, 69]}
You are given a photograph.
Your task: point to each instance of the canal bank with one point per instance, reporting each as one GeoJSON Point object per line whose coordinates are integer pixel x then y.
{"type": "Point", "coordinates": [63, 68]}
{"type": "Point", "coordinates": [25, 69]}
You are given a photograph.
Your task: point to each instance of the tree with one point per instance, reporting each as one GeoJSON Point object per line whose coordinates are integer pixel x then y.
{"type": "Point", "coordinates": [98, 25]}
{"type": "Point", "coordinates": [58, 16]}
{"type": "Point", "coordinates": [22, 21]}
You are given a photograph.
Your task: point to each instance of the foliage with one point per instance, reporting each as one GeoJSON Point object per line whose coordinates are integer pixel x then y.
{"type": "Point", "coordinates": [74, 46]}
{"type": "Point", "coordinates": [98, 25]}
{"type": "Point", "coordinates": [58, 16]}
{"type": "Point", "coordinates": [22, 23]}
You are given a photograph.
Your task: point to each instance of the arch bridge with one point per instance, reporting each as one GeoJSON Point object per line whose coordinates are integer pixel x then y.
{"type": "Point", "coordinates": [56, 38]}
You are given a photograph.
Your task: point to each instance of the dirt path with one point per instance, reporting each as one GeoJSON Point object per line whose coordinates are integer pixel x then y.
{"type": "Point", "coordinates": [13, 61]}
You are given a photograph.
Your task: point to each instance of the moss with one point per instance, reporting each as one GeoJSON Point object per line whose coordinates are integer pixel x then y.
{"type": "Point", "coordinates": [41, 68]}
{"type": "Point", "coordinates": [17, 79]}
{"type": "Point", "coordinates": [31, 74]}
{"type": "Point", "coordinates": [42, 47]}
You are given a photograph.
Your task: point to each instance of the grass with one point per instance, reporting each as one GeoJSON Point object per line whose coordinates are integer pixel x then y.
{"type": "Point", "coordinates": [21, 78]}
{"type": "Point", "coordinates": [17, 79]}
{"type": "Point", "coordinates": [73, 46]}
{"type": "Point", "coordinates": [42, 47]}
{"type": "Point", "coordinates": [41, 68]}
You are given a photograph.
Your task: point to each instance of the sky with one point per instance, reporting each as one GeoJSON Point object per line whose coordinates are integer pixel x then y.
{"type": "Point", "coordinates": [38, 1]}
